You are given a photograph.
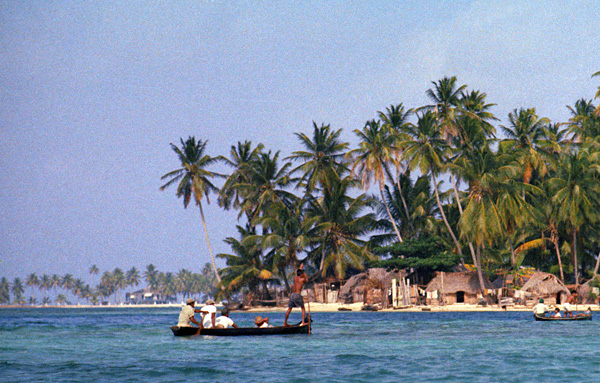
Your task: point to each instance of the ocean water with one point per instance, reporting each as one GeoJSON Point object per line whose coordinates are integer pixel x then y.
{"type": "Point", "coordinates": [136, 345]}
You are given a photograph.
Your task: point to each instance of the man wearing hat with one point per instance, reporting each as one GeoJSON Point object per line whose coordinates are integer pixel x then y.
{"type": "Point", "coordinates": [186, 316]}
{"type": "Point", "coordinates": [208, 314]}
{"type": "Point", "coordinates": [540, 309]}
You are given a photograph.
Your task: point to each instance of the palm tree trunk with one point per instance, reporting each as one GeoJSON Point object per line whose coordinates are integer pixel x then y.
{"type": "Point", "coordinates": [597, 265]}
{"type": "Point", "coordinates": [480, 272]}
{"type": "Point", "coordinates": [387, 208]}
{"type": "Point", "coordinates": [575, 268]}
{"type": "Point", "coordinates": [402, 196]}
{"type": "Point", "coordinates": [212, 257]}
{"type": "Point", "coordinates": [560, 267]}
{"type": "Point", "coordinates": [437, 198]}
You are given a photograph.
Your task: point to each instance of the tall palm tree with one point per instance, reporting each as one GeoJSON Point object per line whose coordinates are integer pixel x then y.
{"type": "Point", "coordinates": [194, 180]}
{"type": "Point", "coordinates": [241, 160]}
{"type": "Point", "coordinates": [446, 98]}
{"type": "Point", "coordinates": [375, 151]}
{"type": "Point", "coordinates": [524, 138]}
{"type": "Point", "coordinates": [597, 93]}
{"type": "Point", "coordinates": [323, 157]}
{"type": "Point", "coordinates": [426, 150]}
{"type": "Point", "coordinates": [396, 118]}
{"type": "Point", "coordinates": [577, 195]}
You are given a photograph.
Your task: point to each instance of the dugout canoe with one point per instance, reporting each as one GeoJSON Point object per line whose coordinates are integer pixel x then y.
{"type": "Point", "coordinates": [549, 319]}
{"type": "Point", "coordinates": [240, 331]}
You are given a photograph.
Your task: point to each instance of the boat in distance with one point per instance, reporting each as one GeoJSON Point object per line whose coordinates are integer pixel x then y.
{"type": "Point", "coordinates": [240, 331]}
{"type": "Point", "coordinates": [576, 317]}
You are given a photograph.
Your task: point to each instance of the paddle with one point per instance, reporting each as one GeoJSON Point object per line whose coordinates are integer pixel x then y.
{"type": "Point", "coordinates": [309, 318]}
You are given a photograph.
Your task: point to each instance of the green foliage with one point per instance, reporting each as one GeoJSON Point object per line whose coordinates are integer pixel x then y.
{"type": "Point", "coordinates": [427, 254]}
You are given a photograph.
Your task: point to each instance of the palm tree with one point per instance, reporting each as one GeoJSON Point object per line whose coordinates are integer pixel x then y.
{"type": "Point", "coordinates": [67, 282]}
{"type": "Point", "coordinates": [323, 157]}
{"type": "Point", "coordinates": [577, 195]}
{"type": "Point", "coordinates": [241, 160]}
{"type": "Point", "coordinates": [376, 150]}
{"type": "Point", "coordinates": [289, 232]}
{"type": "Point", "coordinates": [524, 136]}
{"type": "Point", "coordinates": [194, 180]}
{"type": "Point", "coordinates": [4, 291]}
{"type": "Point", "coordinates": [426, 150]}
{"type": "Point", "coordinates": [597, 93]}
{"type": "Point", "coordinates": [340, 226]}
{"type": "Point", "coordinates": [446, 97]}
{"type": "Point", "coordinates": [18, 290]}
{"type": "Point", "coordinates": [151, 276]}
{"type": "Point", "coordinates": [32, 281]}
{"type": "Point", "coordinates": [132, 277]}
{"type": "Point", "coordinates": [244, 267]}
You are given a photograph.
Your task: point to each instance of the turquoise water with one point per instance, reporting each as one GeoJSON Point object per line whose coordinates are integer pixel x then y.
{"type": "Point", "coordinates": [136, 345]}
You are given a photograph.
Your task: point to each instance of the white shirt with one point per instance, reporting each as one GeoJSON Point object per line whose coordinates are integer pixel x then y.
{"type": "Point", "coordinates": [540, 308]}
{"type": "Point", "coordinates": [207, 322]}
{"type": "Point", "coordinates": [186, 313]}
{"type": "Point", "coordinates": [224, 321]}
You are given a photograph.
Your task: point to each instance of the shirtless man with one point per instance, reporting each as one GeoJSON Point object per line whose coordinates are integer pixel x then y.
{"type": "Point", "coordinates": [296, 297]}
{"type": "Point", "coordinates": [570, 301]}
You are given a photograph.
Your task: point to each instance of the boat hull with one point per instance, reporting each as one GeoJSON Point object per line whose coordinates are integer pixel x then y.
{"type": "Point", "coordinates": [241, 331]}
{"type": "Point", "coordinates": [550, 319]}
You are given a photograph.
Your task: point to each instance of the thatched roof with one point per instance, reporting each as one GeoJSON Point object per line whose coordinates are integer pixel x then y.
{"type": "Point", "coordinates": [374, 276]}
{"type": "Point", "coordinates": [544, 284]}
{"type": "Point", "coordinates": [453, 282]}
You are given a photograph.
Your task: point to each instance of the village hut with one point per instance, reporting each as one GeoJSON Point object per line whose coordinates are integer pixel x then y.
{"type": "Point", "coordinates": [546, 286]}
{"type": "Point", "coordinates": [450, 288]}
{"type": "Point", "coordinates": [370, 287]}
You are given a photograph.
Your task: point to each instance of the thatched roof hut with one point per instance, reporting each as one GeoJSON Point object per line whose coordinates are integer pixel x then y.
{"type": "Point", "coordinates": [462, 287]}
{"type": "Point", "coordinates": [357, 287]}
{"type": "Point", "coordinates": [546, 285]}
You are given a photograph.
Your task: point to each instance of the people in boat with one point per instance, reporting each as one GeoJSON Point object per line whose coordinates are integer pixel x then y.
{"type": "Point", "coordinates": [296, 299]}
{"type": "Point", "coordinates": [224, 320]}
{"type": "Point", "coordinates": [209, 313]}
{"type": "Point", "coordinates": [572, 299]}
{"type": "Point", "coordinates": [186, 316]}
{"type": "Point", "coordinates": [540, 309]}
{"type": "Point", "coordinates": [557, 313]}
{"type": "Point", "coordinates": [262, 322]}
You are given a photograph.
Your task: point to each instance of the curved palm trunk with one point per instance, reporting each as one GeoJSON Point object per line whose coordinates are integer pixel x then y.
{"type": "Point", "coordinates": [555, 242]}
{"type": "Point", "coordinates": [437, 198]}
{"type": "Point", "coordinates": [402, 197]}
{"type": "Point", "coordinates": [460, 210]}
{"type": "Point", "coordinates": [387, 208]}
{"type": "Point", "coordinates": [597, 265]}
{"type": "Point", "coordinates": [480, 272]}
{"type": "Point", "coordinates": [212, 257]}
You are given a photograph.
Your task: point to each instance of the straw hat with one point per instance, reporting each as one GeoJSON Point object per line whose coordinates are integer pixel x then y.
{"type": "Point", "coordinates": [190, 300]}
{"type": "Point", "coordinates": [210, 302]}
{"type": "Point", "coordinates": [258, 320]}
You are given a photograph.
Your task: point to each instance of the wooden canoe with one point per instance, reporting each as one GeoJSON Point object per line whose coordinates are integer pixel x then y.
{"type": "Point", "coordinates": [232, 331]}
{"type": "Point", "coordinates": [577, 317]}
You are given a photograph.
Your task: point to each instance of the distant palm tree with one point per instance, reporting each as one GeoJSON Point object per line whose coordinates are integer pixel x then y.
{"type": "Point", "coordinates": [4, 291]}
{"type": "Point", "coordinates": [18, 290]}
{"type": "Point", "coordinates": [194, 180]}
{"type": "Point", "coordinates": [151, 276]}
{"type": "Point", "coordinates": [132, 277]}
{"type": "Point", "coordinates": [32, 281]}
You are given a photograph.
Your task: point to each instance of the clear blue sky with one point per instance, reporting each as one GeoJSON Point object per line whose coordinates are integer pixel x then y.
{"type": "Point", "coordinates": [93, 92]}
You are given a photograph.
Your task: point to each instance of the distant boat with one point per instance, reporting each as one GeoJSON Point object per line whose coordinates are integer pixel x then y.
{"type": "Point", "coordinates": [232, 331]}
{"type": "Point", "coordinates": [576, 317]}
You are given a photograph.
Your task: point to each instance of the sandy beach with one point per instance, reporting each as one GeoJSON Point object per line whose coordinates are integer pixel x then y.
{"type": "Point", "coordinates": [317, 307]}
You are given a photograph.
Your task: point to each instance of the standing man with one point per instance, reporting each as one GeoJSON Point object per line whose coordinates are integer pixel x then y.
{"type": "Point", "coordinates": [296, 299]}
{"type": "Point", "coordinates": [186, 316]}
{"type": "Point", "coordinates": [572, 299]}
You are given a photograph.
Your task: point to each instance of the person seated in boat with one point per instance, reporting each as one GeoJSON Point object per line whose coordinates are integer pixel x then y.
{"type": "Point", "coordinates": [540, 309]}
{"type": "Point", "coordinates": [557, 313]}
{"type": "Point", "coordinates": [186, 316]}
{"type": "Point", "coordinates": [572, 299]}
{"type": "Point", "coordinates": [262, 322]}
{"type": "Point", "coordinates": [224, 320]}
{"type": "Point", "coordinates": [209, 313]}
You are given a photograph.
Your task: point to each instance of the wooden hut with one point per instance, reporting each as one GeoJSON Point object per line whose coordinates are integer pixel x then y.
{"type": "Point", "coordinates": [450, 288]}
{"type": "Point", "coordinates": [546, 286]}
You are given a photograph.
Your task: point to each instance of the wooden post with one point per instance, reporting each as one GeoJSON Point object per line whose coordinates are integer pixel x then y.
{"type": "Point", "coordinates": [394, 293]}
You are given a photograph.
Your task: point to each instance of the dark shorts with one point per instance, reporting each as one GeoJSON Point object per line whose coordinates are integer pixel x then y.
{"type": "Point", "coordinates": [296, 300]}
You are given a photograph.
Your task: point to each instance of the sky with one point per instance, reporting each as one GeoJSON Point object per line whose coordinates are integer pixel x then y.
{"type": "Point", "coordinates": [93, 93]}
